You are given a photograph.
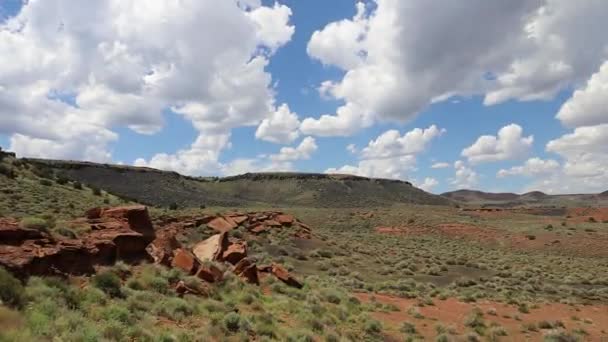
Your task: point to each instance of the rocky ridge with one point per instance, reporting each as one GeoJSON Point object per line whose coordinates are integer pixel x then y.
{"type": "Point", "coordinates": [128, 234]}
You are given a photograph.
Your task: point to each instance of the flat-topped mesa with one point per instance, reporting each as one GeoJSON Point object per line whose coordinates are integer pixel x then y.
{"type": "Point", "coordinates": [115, 234]}
{"type": "Point", "coordinates": [258, 176]}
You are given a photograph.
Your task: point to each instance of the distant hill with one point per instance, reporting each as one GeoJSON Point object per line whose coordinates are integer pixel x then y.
{"type": "Point", "coordinates": [162, 188]}
{"type": "Point", "coordinates": [534, 198]}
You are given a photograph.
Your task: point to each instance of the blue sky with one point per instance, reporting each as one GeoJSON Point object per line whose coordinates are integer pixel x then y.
{"type": "Point", "coordinates": [406, 53]}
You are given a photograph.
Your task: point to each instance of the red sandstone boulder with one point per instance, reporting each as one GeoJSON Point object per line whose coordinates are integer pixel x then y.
{"type": "Point", "coordinates": [222, 224]}
{"type": "Point", "coordinates": [210, 273]}
{"type": "Point", "coordinates": [235, 252]}
{"type": "Point", "coordinates": [185, 260]}
{"type": "Point", "coordinates": [93, 213]}
{"type": "Point", "coordinates": [12, 234]}
{"type": "Point", "coordinates": [161, 249]}
{"type": "Point", "coordinates": [211, 249]}
{"type": "Point", "coordinates": [247, 270]}
{"type": "Point", "coordinates": [136, 217]}
{"type": "Point", "coordinates": [283, 275]}
{"type": "Point", "coordinates": [284, 219]}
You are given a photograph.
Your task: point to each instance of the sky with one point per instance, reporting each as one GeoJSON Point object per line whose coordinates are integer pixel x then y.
{"type": "Point", "coordinates": [491, 95]}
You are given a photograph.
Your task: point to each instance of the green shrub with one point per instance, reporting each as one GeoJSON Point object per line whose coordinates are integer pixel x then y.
{"type": "Point", "coordinates": [77, 185]}
{"type": "Point", "coordinates": [45, 182]}
{"type": "Point", "coordinates": [173, 206]}
{"type": "Point", "coordinates": [372, 327]}
{"type": "Point", "coordinates": [96, 191]}
{"type": "Point", "coordinates": [108, 282]}
{"type": "Point", "coordinates": [408, 328]}
{"type": "Point", "coordinates": [35, 223]}
{"type": "Point", "coordinates": [66, 232]}
{"type": "Point", "coordinates": [232, 322]}
{"type": "Point", "coordinates": [11, 291]}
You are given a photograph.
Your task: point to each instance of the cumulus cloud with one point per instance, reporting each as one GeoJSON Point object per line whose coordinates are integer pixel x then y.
{"type": "Point", "coordinates": [391, 155]}
{"type": "Point", "coordinates": [508, 145]}
{"type": "Point", "coordinates": [391, 144]}
{"type": "Point", "coordinates": [589, 105]}
{"type": "Point", "coordinates": [71, 74]}
{"type": "Point", "coordinates": [440, 165]}
{"type": "Point", "coordinates": [391, 168]}
{"type": "Point", "coordinates": [282, 161]}
{"type": "Point", "coordinates": [280, 127]}
{"type": "Point", "coordinates": [428, 184]}
{"type": "Point", "coordinates": [464, 176]}
{"type": "Point", "coordinates": [402, 55]}
{"type": "Point", "coordinates": [303, 151]}
{"type": "Point", "coordinates": [532, 167]}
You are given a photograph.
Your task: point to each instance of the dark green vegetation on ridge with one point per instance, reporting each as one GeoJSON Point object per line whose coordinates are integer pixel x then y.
{"type": "Point", "coordinates": [160, 188]}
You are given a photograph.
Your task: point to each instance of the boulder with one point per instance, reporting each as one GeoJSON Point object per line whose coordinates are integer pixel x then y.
{"type": "Point", "coordinates": [235, 252]}
{"type": "Point", "coordinates": [283, 275]}
{"type": "Point", "coordinates": [161, 249]}
{"type": "Point", "coordinates": [93, 213]}
{"type": "Point", "coordinates": [247, 270]}
{"type": "Point", "coordinates": [284, 219]}
{"type": "Point", "coordinates": [210, 273]}
{"type": "Point", "coordinates": [12, 234]}
{"type": "Point", "coordinates": [182, 289]}
{"type": "Point", "coordinates": [222, 225]}
{"type": "Point", "coordinates": [136, 217]}
{"type": "Point", "coordinates": [185, 261]}
{"type": "Point", "coordinates": [211, 249]}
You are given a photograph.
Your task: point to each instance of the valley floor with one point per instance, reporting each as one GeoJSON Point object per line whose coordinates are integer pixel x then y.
{"type": "Point", "coordinates": [396, 273]}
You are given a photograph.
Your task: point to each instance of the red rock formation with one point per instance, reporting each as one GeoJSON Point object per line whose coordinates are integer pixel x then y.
{"type": "Point", "coordinates": [211, 249]}
{"type": "Point", "coordinates": [222, 225]}
{"type": "Point", "coordinates": [210, 273]}
{"type": "Point", "coordinates": [185, 260]}
{"type": "Point", "coordinates": [235, 252]}
{"type": "Point", "coordinates": [119, 233]}
{"type": "Point", "coordinates": [247, 270]}
{"type": "Point", "coordinates": [283, 275]}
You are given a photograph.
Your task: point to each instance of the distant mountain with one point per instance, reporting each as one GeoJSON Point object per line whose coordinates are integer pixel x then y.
{"type": "Point", "coordinates": [535, 198]}
{"type": "Point", "coordinates": [479, 196]}
{"type": "Point", "coordinates": [162, 188]}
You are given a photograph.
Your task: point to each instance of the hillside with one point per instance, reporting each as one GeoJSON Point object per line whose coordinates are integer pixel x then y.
{"type": "Point", "coordinates": [161, 188]}
{"type": "Point", "coordinates": [535, 198]}
{"type": "Point", "coordinates": [29, 191]}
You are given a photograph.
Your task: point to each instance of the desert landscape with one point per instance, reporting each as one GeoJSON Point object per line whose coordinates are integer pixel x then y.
{"type": "Point", "coordinates": [81, 262]}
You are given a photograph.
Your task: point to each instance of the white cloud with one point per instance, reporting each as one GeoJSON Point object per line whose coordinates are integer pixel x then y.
{"type": "Point", "coordinates": [532, 167]}
{"type": "Point", "coordinates": [588, 106]}
{"type": "Point", "coordinates": [440, 165]}
{"type": "Point", "coordinates": [429, 184]}
{"type": "Point", "coordinates": [391, 144]}
{"type": "Point", "coordinates": [203, 154]}
{"type": "Point", "coordinates": [303, 151]}
{"type": "Point", "coordinates": [508, 145]}
{"type": "Point", "coordinates": [402, 55]}
{"type": "Point", "coordinates": [391, 155]}
{"type": "Point", "coordinates": [352, 148]}
{"type": "Point", "coordinates": [280, 127]}
{"type": "Point", "coordinates": [282, 161]}
{"type": "Point", "coordinates": [70, 74]}
{"type": "Point", "coordinates": [464, 176]}
{"type": "Point", "coordinates": [392, 168]}
{"type": "Point", "coordinates": [273, 29]}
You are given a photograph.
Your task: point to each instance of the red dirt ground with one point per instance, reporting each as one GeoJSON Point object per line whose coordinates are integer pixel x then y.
{"type": "Point", "coordinates": [584, 214]}
{"type": "Point", "coordinates": [453, 313]}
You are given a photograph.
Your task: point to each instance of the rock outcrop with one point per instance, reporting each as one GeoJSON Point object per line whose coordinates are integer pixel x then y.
{"type": "Point", "coordinates": [127, 233]}
{"type": "Point", "coordinates": [116, 234]}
